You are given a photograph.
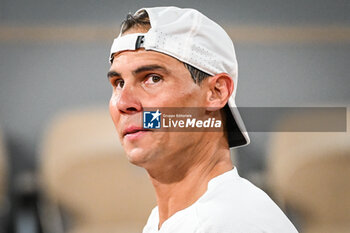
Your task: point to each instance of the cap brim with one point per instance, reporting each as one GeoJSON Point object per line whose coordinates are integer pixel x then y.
{"type": "Point", "coordinates": [237, 133]}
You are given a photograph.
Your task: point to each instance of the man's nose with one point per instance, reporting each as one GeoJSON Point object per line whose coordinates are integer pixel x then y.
{"type": "Point", "coordinates": [128, 102]}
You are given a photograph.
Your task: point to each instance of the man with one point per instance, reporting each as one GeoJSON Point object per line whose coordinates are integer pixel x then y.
{"type": "Point", "coordinates": [178, 58]}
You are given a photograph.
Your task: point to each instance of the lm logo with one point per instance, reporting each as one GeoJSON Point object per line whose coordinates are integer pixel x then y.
{"type": "Point", "coordinates": [151, 119]}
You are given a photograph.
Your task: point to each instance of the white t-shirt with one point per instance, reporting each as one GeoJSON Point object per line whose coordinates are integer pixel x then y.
{"type": "Point", "coordinates": [230, 205]}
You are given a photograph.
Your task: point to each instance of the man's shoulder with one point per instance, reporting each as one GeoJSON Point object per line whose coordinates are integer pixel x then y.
{"type": "Point", "coordinates": [231, 189]}
{"type": "Point", "coordinates": [237, 198]}
{"type": "Point", "coordinates": [238, 204]}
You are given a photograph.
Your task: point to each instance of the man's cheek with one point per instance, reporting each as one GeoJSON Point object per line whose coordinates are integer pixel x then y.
{"type": "Point", "coordinates": [113, 109]}
{"type": "Point", "coordinates": [114, 100]}
{"type": "Point", "coordinates": [114, 113]}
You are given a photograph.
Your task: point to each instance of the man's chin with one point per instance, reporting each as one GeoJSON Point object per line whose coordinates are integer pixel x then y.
{"type": "Point", "coordinates": [138, 156]}
{"type": "Point", "coordinates": [140, 151]}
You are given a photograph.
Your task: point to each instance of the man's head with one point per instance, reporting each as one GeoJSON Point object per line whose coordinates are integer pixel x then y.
{"type": "Point", "coordinates": [155, 64]}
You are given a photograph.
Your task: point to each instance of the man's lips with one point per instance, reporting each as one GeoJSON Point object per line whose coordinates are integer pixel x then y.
{"type": "Point", "coordinates": [133, 130]}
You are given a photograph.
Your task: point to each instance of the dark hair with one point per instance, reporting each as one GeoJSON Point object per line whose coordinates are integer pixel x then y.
{"type": "Point", "coordinates": [141, 19]}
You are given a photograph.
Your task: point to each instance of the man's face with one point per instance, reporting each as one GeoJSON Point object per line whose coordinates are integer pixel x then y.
{"type": "Point", "coordinates": [150, 79]}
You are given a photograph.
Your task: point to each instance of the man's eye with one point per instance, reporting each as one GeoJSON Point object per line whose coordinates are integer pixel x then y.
{"type": "Point", "coordinates": [119, 83]}
{"type": "Point", "coordinates": [151, 79]}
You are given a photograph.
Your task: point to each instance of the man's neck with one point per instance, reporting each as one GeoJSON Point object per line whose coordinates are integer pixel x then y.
{"type": "Point", "coordinates": [184, 185]}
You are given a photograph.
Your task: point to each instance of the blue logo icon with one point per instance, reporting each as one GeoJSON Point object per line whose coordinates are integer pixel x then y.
{"type": "Point", "coordinates": [151, 119]}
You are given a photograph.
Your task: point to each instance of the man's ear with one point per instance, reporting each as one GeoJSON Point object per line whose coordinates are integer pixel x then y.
{"type": "Point", "coordinates": [220, 88]}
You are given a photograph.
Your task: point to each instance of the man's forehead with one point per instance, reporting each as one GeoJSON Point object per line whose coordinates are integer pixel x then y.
{"type": "Point", "coordinates": [141, 56]}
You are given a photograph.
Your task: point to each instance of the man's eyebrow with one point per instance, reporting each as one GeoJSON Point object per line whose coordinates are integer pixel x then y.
{"type": "Point", "coordinates": [141, 69]}
{"type": "Point", "coordinates": [112, 74]}
{"type": "Point", "coordinates": [150, 68]}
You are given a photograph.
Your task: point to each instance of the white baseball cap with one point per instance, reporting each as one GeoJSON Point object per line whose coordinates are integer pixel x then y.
{"type": "Point", "coordinates": [193, 38]}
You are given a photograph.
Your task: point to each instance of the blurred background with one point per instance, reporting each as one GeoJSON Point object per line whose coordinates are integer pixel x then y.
{"type": "Point", "coordinates": [61, 166]}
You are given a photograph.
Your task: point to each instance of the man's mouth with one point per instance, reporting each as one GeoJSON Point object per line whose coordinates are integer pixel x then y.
{"type": "Point", "coordinates": [134, 131]}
